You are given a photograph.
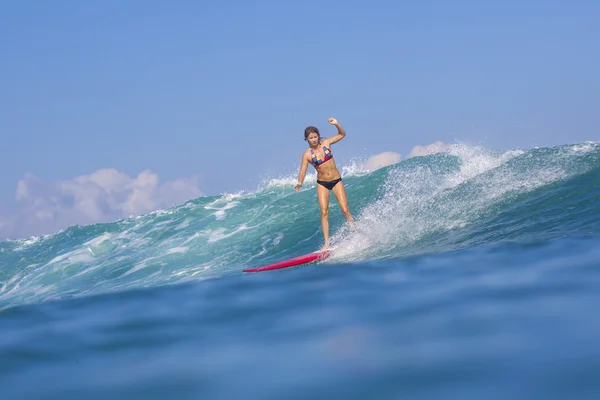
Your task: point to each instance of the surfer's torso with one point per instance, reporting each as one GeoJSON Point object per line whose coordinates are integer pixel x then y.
{"type": "Point", "coordinates": [322, 159]}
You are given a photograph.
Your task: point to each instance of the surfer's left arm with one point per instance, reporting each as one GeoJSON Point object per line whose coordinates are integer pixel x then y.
{"type": "Point", "coordinates": [341, 132]}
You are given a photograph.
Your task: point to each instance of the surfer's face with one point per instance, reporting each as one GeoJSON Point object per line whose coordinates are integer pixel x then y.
{"type": "Point", "coordinates": [313, 139]}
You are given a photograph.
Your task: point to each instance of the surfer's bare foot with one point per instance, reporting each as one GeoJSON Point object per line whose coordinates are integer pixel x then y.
{"type": "Point", "coordinates": [351, 225]}
{"type": "Point", "coordinates": [325, 247]}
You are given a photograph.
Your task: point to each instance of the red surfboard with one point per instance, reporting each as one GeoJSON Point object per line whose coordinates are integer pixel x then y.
{"type": "Point", "coordinates": [306, 258]}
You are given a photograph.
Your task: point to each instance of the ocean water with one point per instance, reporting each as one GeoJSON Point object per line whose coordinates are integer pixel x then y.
{"type": "Point", "coordinates": [470, 274]}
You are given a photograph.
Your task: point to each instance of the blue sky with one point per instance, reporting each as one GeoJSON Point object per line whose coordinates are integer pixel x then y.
{"type": "Point", "coordinates": [218, 93]}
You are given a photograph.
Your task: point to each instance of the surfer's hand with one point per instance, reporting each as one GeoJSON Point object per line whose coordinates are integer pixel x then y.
{"type": "Point", "coordinates": [297, 187]}
{"type": "Point", "coordinates": [332, 121]}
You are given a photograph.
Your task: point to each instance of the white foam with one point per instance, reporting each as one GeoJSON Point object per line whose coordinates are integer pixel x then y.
{"type": "Point", "coordinates": [169, 211]}
{"type": "Point", "coordinates": [356, 167]}
{"type": "Point", "coordinates": [80, 255]}
{"type": "Point", "coordinates": [226, 202]}
{"type": "Point", "coordinates": [475, 160]}
{"type": "Point", "coordinates": [183, 224]}
{"type": "Point", "coordinates": [583, 147]}
{"type": "Point", "coordinates": [25, 243]}
{"type": "Point", "coordinates": [219, 234]}
{"type": "Point", "coordinates": [416, 202]}
{"type": "Point", "coordinates": [191, 238]}
{"type": "Point", "coordinates": [286, 182]}
{"type": "Point", "coordinates": [88, 270]}
{"type": "Point", "coordinates": [98, 239]}
{"type": "Point", "coordinates": [138, 266]}
{"type": "Point", "coordinates": [178, 250]}
{"type": "Point", "coordinates": [267, 244]}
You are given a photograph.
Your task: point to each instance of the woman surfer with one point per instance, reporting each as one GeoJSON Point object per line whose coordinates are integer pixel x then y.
{"type": "Point", "coordinates": [328, 177]}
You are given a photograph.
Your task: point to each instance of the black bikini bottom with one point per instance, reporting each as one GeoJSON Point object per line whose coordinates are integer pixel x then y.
{"type": "Point", "coordinates": [329, 184]}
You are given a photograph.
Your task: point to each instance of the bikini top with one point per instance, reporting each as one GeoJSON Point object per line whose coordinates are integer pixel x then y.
{"type": "Point", "coordinates": [316, 161]}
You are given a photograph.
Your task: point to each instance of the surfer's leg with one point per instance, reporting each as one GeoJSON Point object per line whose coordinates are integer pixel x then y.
{"type": "Point", "coordinates": [323, 195]}
{"type": "Point", "coordinates": [340, 194]}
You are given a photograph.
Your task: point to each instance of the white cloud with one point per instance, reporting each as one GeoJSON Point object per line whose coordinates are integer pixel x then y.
{"type": "Point", "coordinates": [387, 158]}
{"type": "Point", "coordinates": [105, 195]}
{"type": "Point", "coordinates": [22, 191]}
{"type": "Point", "coordinates": [437, 147]}
{"type": "Point", "coordinates": [381, 160]}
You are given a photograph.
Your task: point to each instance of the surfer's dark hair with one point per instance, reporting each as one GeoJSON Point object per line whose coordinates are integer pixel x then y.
{"type": "Point", "coordinates": [309, 130]}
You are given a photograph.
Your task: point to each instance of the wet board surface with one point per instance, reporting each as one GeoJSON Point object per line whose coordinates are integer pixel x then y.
{"type": "Point", "coordinates": [292, 262]}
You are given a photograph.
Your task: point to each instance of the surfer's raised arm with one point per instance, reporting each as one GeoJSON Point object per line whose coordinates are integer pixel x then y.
{"type": "Point", "coordinates": [302, 172]}
{"type": "Point", "coordinates": [341, 132]}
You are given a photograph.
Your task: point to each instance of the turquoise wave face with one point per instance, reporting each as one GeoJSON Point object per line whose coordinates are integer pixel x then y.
{"type": "Point", "coordinates": [467, 197]}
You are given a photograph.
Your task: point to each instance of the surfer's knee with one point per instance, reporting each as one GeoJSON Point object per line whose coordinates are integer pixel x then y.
{"type": "Point", "coordinates": [345, 210]}
{"type": "Point", "coordinates": [324, 212]}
